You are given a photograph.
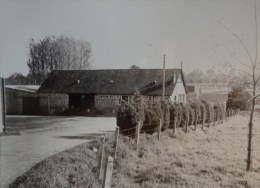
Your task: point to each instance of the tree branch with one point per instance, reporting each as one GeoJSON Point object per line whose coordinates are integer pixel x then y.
{"type": "Point", "coordinates": [242, 63]}
{"type": "Point", "coordinates": [240, 40]}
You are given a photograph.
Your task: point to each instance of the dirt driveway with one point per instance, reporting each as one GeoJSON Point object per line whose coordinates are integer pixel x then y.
{"type": "Point", "coordinates": [42, 136]}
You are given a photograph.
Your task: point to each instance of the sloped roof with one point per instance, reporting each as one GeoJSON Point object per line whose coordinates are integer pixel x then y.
{"type": "Point", "coordinates": [116, 81]}
{"type": "Point", "coordinates": [26, 88]}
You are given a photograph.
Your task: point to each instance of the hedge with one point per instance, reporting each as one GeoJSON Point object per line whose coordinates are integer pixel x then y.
{"type": "Point", "coordinates": [148, 114]}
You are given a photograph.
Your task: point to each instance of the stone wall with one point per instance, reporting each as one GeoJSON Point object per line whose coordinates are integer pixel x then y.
{"type": "Point", "coordinates": [106, 102]}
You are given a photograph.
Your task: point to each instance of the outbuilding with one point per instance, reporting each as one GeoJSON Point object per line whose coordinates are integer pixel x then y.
{"type": "Point", "coordinates": [101, 90]}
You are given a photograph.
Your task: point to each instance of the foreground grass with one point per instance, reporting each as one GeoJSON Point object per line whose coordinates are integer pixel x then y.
{"type": "Point", "coordinates": [213, 157]}
{"type": "Point", "coordinates": [75, 167]}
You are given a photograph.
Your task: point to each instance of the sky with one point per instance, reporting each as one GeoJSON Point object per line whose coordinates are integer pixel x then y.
{"type": "Point", "coordinates": [123, 33]}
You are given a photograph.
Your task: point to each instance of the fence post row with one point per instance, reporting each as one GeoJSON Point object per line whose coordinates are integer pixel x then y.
{"type": "Point", "coordinates": [101, 156]}
{"type": "Point", "coordinates": [116, 141]}
{"type": "Point", "coordinates": [159, 129]}
{"type": "Point", "coordinates": [137, 134]}
{"type": "Point", "coordinates": [108, 173]}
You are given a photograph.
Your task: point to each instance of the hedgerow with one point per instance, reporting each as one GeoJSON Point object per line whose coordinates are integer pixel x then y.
{"type": "Point", "coordinates": [172, 115]}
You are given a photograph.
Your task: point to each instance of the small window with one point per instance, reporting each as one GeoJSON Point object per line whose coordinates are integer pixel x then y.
{"type": "Point", "coordinates": [126, 98]}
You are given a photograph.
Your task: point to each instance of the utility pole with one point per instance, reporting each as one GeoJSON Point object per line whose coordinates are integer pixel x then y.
{"type": "Point", "coordinates": [163, 91]}
{"type": "Point", "coordinates": [2, 106]}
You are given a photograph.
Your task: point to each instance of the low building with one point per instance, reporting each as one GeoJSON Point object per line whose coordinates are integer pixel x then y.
{"type": "Point", "coordinates": [101, 90]}
{"type": "Point", "coordinates": [24, 100]}
{"type": "Point", "coordinates": [212, 93]}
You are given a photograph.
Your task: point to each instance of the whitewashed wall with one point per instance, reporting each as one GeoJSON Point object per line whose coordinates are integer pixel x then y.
{"type": "Point", "coordinates": [179, 92]}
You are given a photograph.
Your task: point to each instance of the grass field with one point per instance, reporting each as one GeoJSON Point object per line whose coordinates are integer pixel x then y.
{"type": "Point", "coordinates": [213, 157]}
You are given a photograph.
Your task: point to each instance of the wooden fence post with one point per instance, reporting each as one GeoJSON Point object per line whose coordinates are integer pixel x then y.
{"type": "Point", "coordinates": [214, 118]}
{"type": "Point", "coordinates": [137, 134]}
{"type": "Point", "coordinates": [101, 156]}
{"type": "Point", "coordinates": [196, 120]}
{"type": "Point", "coordinates": [108, 173]}
{"type": "Point", "coordinates": [186, 124]}
{"type": "Point", "coordinates": [159, 129]}
{"type": "Point", "coordinates": [210, 116]}
{"type": "Point", "coordinates": [203, 119]}
{"type": "Point", "coordinates": [227, 115]}
{"type": "Point", "coordinates": [174, 125]}
{"type": "Point", "coordinates": [222, 116]}
{"type": "Point", "coordinates": [116, 141]}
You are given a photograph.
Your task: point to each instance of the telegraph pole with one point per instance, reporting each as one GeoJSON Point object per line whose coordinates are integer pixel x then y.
{"type": "Point", "coordinates": [2, 106]}
{"type": "Point", "coordinates": [163, 91]}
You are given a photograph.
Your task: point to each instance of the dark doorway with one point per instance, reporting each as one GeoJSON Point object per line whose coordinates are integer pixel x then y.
{"type": "Point", "coordinates": [31, 105]}
{"type": "Point", "coordinates": [81, 101]}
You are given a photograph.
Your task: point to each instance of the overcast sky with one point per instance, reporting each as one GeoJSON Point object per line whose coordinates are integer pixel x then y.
{"type": "Point", "coordinates": [123, 33]}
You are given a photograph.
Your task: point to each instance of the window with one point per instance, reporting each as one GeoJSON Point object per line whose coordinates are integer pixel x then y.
{"type": "Point", "coordinates": [126, 98]}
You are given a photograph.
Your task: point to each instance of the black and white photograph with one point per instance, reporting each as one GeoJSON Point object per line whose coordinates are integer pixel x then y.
{"type": "Point", "coordinates": [129, 93]}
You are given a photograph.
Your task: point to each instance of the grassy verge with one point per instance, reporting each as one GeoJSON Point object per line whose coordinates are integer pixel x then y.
{"type": "Point", "coordinates": [213, 157]}
{"type": "Point", "coordinates": [76, 167]}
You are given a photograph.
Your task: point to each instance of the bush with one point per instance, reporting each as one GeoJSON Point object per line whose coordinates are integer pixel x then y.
{"type": "Point", "coordinates": [166, 114]}
{"type": "Point", "coordinates": [242, 105]}
{"type": "Point", "coordinates": [126, 116]}
{"type": "Point", "coordinates": [195, 105]}
{"type": "Point", "coordinates": [153, 112]}
{"type": "Point", "coordinates": [148, 114]}
{"type": "Point", "coordinates": [173, 112]}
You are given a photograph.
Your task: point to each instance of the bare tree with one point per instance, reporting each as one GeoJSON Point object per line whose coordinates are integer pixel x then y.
{"type": "Point", "coordinates": [57, 53]}
{"type": "Point", "coordinates": [251, 70]}
{"type": "Point", "coordinates": [16, 79]}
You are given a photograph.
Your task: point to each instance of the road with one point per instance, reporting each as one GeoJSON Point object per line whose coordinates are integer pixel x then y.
{"type": "Point", "coordinates": [41, 137]}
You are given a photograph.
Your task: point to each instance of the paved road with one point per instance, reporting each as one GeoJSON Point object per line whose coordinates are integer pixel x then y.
{"type": "Point", "coordinates": [41, 137]}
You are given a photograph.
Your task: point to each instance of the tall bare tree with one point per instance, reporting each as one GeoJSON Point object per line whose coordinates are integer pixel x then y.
{"type": "Point", "coordinates": [252, 70]}
{"type": "Point", "coordinates": [57, 53]}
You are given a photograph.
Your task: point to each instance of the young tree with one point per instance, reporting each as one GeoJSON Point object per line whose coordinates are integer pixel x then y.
{"type": "Point", "coordinates": [251, 70]}
{"type": "Point", "coordinates": [57, 53]}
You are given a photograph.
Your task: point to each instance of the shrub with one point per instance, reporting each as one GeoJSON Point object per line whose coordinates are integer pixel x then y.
{"type": "Point", "coordinates": [153, 113]}
{"type": "Point", "coordinates": [203, 112]}
{"type": "Point", "coordinates": [195, 105]}
{"type": "Point", "coordinates": [148, 114]}
{"type": "Point", "coordinates": [126, 116]}
{"type": "Point", "coordinates": [165, 106]}
{"type": "Point", "coordinates": [173, 111]}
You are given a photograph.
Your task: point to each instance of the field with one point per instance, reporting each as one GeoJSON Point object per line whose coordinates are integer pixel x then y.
{"type": "Point", "coordinates": [212, 157]}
